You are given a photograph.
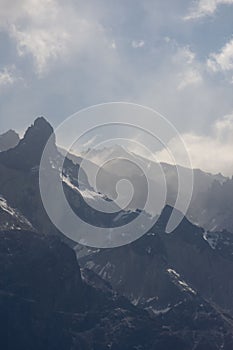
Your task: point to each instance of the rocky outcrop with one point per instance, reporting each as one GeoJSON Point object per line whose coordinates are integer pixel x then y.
{"type": "Point", "coordinates": [8, 140]}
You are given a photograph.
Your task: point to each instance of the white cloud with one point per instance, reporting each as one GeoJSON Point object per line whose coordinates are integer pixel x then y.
{"type": "Point", "coordinates": [189, 71]}
{"type": "Point", "coordinates": [223, 60]}
{"type": "Point", "coordinates": [7, 76]}
{"type": "Point", "coordinates": [50, 30]}
{"type": "Point", "coordinates": [185, 54]}
{"type": "Point", "coordinates": [210, 153]}
{"type": "Point", "coordinates": [204, 8]}
{"type": "Point", "coordinates": [113, 45]}
{"type": "Point", "coordinates": [82, 50]}
{"type": "Point", "coordinates": [189, 77]}
{"type": "Point", "coordinates": [136, 44]}
{"type": "Point", "coordinates": [42, 45]}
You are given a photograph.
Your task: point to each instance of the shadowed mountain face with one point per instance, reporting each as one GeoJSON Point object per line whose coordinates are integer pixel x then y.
{"type": "Point", "coordinates": [19, 179]}
{"type": "Point", "coordinates": [179, 283]}
{"type": "Point", "coordinates": [45, 303]}
{"type": "Point", "coordinates": [27, 153]}
{"type": "Point", "coordinates": [19, 168]}
{"type": "Point", "coordinates": [19, 183]}
{"type": "Point", "coordinates": [8, 140]}
{"type": "Point", "coordinates": [149, 269]}
{"type": "Point", "coordinates": [217, 207]}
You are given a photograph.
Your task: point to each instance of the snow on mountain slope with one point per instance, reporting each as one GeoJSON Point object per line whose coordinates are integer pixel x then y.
{"type": "Point", "coordinates": [85, 193]}
{"type": "Point", "coordinates": [11, 218]}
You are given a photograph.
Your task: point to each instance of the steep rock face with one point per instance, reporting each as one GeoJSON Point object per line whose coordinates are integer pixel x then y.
{"type": "Point", "coordinates": [19, 169]}
{"type": "Point", "coordinates": [42, 269]}
{"type": "Point", "coordinates": [213, 208]}
{"type": "Point", "coordinates": [222, 242]}
{"type": "Point", "coordinates": [19, 182]}
{"type": "Point", "coordinates": [143, 271]}
{"type": "Point", "coordinates": [27, 153]}
{"type": "Point", "coordinates": [39, 276]}
{"type": "Point", "coordinates": [8, 140]}
{"type": "Point", "coordinates": [46, 304]}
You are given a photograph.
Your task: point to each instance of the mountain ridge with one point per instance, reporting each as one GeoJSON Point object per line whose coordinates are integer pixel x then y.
{"type": "Point", "coordinates": [8, 140]}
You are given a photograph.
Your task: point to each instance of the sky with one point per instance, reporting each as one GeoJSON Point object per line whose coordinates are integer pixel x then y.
{"type": "Point", "coordinates": [175, 56]}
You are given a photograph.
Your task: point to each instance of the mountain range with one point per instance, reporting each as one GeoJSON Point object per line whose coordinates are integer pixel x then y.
{"type": "Point", "coordinates": [162, 291]}
{"type": "Point", "coordinates": [209, 194]}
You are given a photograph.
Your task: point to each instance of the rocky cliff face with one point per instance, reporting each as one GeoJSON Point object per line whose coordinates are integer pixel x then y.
{"type": "Point", "coordinates": [28, 151]}
{"type": "Point", "coordinates": [46, 303]}
{"type": "Point", "coordinates": [160, 270]}
{"type": "Point", "coordinates": [19, 181]}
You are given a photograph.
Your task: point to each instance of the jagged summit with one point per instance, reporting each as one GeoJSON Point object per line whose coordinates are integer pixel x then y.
{"type": "Point", "coordinates": [40, 127]}
{"type": "Point", "coordinates": [165, 215]}
{"type": "Point", "coordinates": [28, 152]}
{"type": "Point", "coordinates": [38, 133]}
{"type": "Point", "coordinates": [41, 121]}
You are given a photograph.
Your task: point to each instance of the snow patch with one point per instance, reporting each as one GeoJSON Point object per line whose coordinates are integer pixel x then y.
{"type": "Point", "coordinates": [85, 193]}
{"type": "Point", "coordinates": [211, 239]}
{"type": "Point", "coordinates": [180, 282]}
{"type": "Point", "coordinates": [14, 214]}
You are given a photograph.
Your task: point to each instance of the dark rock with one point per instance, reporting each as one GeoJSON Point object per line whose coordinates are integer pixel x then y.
{"type": "Point", "coordinates": [8, 140]}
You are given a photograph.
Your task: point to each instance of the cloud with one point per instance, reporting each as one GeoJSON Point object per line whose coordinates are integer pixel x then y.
{"type": "Point", "coordinates": [204, 8]}
{"type": "Point", "coordinates": [190, 77]}
{"type": "Point", "coordinates": [82, 53]}
{"type": "Point", "coordinates": [35, 29]}
{"type": "Point", "coordinates": [89, 142]}
{"type": "Point", "coordinates": [184, 69]}
{"type": "Point", "coordinates": [49, 30]}
{"type": "Point", "coordinates": [113, 45]}
{"type": "Point", "coordinates": [43, 46]}
{"type": "Point", "coordinates": [136, 44]}
{"type": "Point", "coordinates": [210, 153]}
{"type": "Point", "coordinates": [223, 60]}
{"type": "Point", "coordinates": [190, 73]}
{"type": "Point", "coordinates": [8, 76]}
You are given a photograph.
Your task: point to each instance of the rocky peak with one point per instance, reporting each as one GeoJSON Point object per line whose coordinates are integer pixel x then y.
{"type": "Point", "coordinates": [8, 140]}
{"type": "Point", "coordinates": [28, 152]}
{"type": "Point", "coordinates": [39, 132]}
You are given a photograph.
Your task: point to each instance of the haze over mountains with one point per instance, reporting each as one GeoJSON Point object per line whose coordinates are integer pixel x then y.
{"type": "Point", "coordinates": [211, 192]}
{"type": "Point", "coordinates": [165, 292]}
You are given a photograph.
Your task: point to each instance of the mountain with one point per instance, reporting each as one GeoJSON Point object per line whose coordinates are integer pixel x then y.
{"type": "Point", "coordinates": [28, 151]}
{"type": "Point", "coordinates": [222, 242]}
{"type": "Point", "coordinates": [19, 168]}
{"type": "Point", "coordinates": [21, 165]}
{"type": "Point", "coordinates": [213, 208]}
{"type": "Point", "coordinates": [163, 292]}
{"type": "Point", "coordinates": [46, 302]}
{"type": "Point", "coordinates": [160, 270]}
{"type": "Point", "coordinates": [8, 140]}
{"type": "Point", "coordinates": [130, 166]}
{"type": "Point", "coordinates": [19, 183]}
{"type": "Point", "coordinates": [11, 218]}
